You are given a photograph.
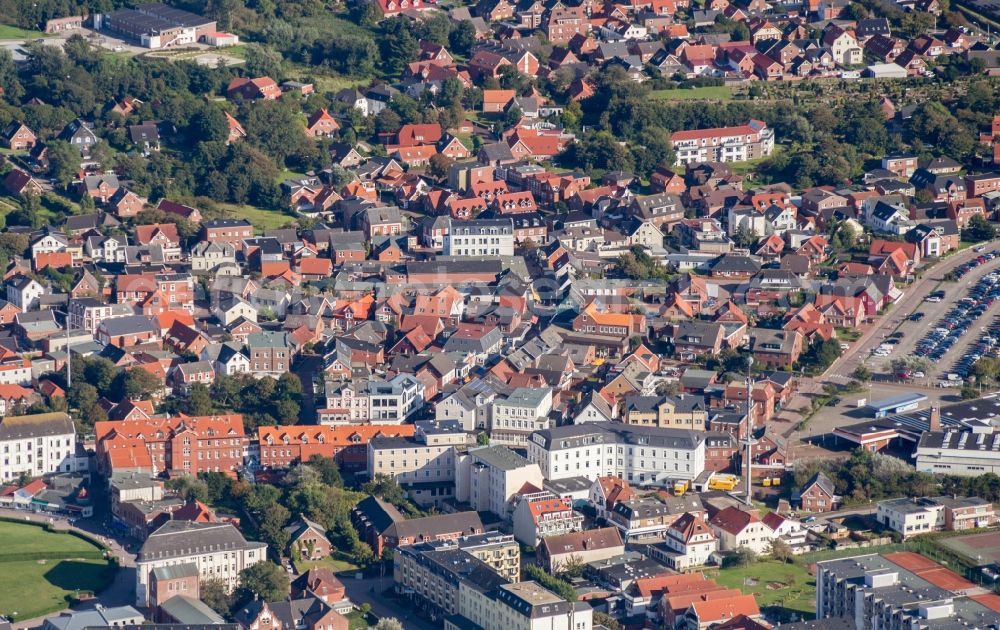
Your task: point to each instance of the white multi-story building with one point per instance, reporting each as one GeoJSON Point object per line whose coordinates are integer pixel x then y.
{"type": "Point", "coordinates": [470, 406]}
{"type": "Point", "coordinates": [486, 478]}
{"type": "Point", "coordinates": [521, 413]}
{"type": "Point", "coordinates": [394, 401]}
{"type": "Point", "coordinates": [883, 592]}
{"type": "Point", "coordinates": [520, 606]}
{"type": "Point", "coordinates": [423, 464]}
{"type": "Point", "coordinates": [689, 543]}
{"type": "Point", "coordinates": [217, 550]}
{"type": "Point", "coordinates": [542, 514]}
{"type": "Point", "coordinates": [87, 313]}
{"type": "Point", "coordinates": [38, 444]}
{"type": "Point", "coordinates": [479, 238]}
{"type": "Point", "coordinates": [639, 454]}
{"type": "Point", "coordinates": [346, 403]}
{"type": "Point", "coordinates": [724, 144]}
{"type": "Point", "coordinates": [24, 292]}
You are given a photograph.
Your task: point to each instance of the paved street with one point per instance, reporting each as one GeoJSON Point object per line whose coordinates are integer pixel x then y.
{"type": "Point", "coordinates": [368, 591]}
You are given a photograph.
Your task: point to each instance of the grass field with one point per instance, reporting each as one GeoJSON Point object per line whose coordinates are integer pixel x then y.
{"type": "Point", "coordinates": [63, 566]}
{"type": "Point", "coordinates": [709, 93]}
{"type": "Point", "coordinates": [13, 32]}
{"type": "Point", "coordinates": [787, 589]}
{"type": "Point", "coordinates": [333, 564]}
{"type": "Point", "coordinates": [357, 621]}
{"type": "Point", "coordinates": [262, 219]}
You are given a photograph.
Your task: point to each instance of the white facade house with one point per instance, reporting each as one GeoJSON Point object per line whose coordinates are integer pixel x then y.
{"type": "Point", "coordinates": [909, 517]}
{"type": "Point", "coordinates": [479, 238]}
{"type": "Point", "coordinates": [427, 457]}
{"type": "Point", "coordinates": [24, 292]}
{"type": "Point", "coordinates": [471, 406]}
{"type": "Point", "coordinates": [519, 606]}
{"type": "Point", "coordinates": [689, 543]}
{"type": "Point", "coordinates": [38, 444]}
{"type": "Point", "coordinates": [524, 411]}
{"type": "Point", "coordinates": [218, 550]}
{"type": "Point", "coordinates": [737, 528]}
{"type": "Point", "coordinates": [488, 477]}
{"type": "Point", "coordinates": [87, 313]}
{"type": "Point", "coordinates": [638, 454]}
{"type": "Point", "coordinates": [394, 401]}
{"type": "Point", "coordinates": [541, 514]}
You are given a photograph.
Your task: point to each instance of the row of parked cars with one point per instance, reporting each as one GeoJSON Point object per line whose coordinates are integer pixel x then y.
{"type": "Point", "coordinates": [937, 342]}
{"type": "Point", "coordinates": [986, 345]}
{"type": "Point", "coordinates": [983, 258]}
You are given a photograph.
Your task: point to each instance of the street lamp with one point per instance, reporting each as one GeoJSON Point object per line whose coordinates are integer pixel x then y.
{"type": "Point", "coordinates": [749, 430]}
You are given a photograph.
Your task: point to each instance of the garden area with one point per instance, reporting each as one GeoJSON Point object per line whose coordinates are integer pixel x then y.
{"type": "Point", "coordinates": [334, 564]}
{"type": "Point", "coordinates": [42, 571]}
{"type": "Point", "coordinates": [782, 589]}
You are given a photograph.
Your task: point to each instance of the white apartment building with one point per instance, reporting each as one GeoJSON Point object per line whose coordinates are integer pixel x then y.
{"type": "Point", "coordinates": [487, 477]}
{"type": "Point", "coordinates": [394, 401]}
{"type": "Point", "coordinates": [874, 592]}
{"type": "Point", "coordinates": [542, 514]}
{"type": "Point", "coordinates": [87, 313]}
{"type": "Point", "coordinates": [423, 464]}
{"type": "Point", "coordinates": [909, 517]}
{"type": "Point", "coordinates": [914, 516]}
{"type": "Point", "coordinates": [639, 454]}
{"type": "Point", "coordinates": [471, 405]}
{"type": "Point", "coordinates": [38, 444]}
{"type": "Point", "coordinates": [480, 238]}
{"type": "Point", "coordinates": [346, 403]}
{"type": "Point", "coordinates": [218, 550]}
{"type": "Point", "coordinates": [516, 417]}
{"type": "Point", "coordinates": [723, 144]}
{"type": "Point", "coordinates": [24, 292]}
{"type": "Point", "coordinates": [520, 606]}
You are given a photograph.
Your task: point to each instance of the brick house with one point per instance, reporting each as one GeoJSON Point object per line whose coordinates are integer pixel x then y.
{"type": "Point", "coordinates": [307, 540]}
{"type": "Point", "coordinates": [819, 495]}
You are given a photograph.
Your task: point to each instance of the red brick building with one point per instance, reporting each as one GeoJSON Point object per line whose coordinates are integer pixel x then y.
{"type": "Point", "coordinates": [176, 446]}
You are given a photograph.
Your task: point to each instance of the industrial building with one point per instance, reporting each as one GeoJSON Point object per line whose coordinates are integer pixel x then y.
{"type": "Point", "coordinates": [156, 25]}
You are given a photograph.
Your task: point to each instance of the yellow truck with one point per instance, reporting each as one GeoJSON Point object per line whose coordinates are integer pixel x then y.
{"type": "Point", "coordinates": [680, 487]}
{"type": "Point", "coordinates": [723, 482]}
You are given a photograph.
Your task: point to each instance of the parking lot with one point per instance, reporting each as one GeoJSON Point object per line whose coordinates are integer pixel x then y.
{"type": "Point", "coordinates": [946, 327]}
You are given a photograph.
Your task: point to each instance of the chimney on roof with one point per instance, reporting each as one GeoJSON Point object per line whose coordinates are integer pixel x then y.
{"type": "Point", "coordinates": [934, 422]}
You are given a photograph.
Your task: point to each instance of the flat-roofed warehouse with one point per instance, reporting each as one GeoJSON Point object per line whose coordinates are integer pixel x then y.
{"type": "Point", "coordinates": [156, 25]}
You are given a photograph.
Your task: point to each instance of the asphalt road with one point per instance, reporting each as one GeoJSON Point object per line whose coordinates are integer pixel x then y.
{"type": "Point", "coordinates": [368, 591]}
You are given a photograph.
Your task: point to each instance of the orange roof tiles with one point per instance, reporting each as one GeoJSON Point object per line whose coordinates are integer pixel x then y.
{"type": "Point", "coordinates": [727, 608]}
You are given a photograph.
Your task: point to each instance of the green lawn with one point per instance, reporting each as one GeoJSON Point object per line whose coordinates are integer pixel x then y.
{"type": "Point", "coordinates": [708, 93]}
{"type": "Point", "coordinates": [358, 621]}
{"type": "Point", "coordinates": [334, 564]}
{"type": "Point", "coordinates": [13, 32]}
{"type": "Point", "coordinates": [62, 566]}
{"type": "Point", "coordinates": [262, 219]}
{"type": "Point", "coordinates": [787, 589]}
{"type": "Point", "coordinates": [289, 174]}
